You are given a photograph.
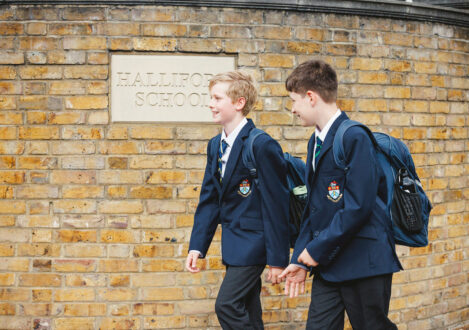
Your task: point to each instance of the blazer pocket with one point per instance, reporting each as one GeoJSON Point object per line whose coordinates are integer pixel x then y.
{"type": "Point", "coordinates": [251, 223]}
{"type": "Point", "coordinates": [368, 231]}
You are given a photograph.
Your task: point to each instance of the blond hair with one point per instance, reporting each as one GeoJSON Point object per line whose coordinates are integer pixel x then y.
{"type": "Point", "coordinates": [241, 85]}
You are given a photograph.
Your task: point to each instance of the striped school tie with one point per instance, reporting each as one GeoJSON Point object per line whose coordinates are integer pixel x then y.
{"type": "Point", "coordinates": [221, 152]}
{"type": "Point", "coordinates": [318, 150]}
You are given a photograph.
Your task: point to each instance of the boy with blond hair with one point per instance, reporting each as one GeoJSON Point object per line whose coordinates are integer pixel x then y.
{"type": "Point", "coordinates": [253, 216]}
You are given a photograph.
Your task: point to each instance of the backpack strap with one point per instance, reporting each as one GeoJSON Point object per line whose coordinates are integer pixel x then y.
{"type": "Point", "coordinates": [249, 160]}
{"type": "Point", "coordinates": [338, 144]}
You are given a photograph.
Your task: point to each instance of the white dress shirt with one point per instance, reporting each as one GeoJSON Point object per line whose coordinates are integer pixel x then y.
{"type": "Point", "coordinates": [230, 139]}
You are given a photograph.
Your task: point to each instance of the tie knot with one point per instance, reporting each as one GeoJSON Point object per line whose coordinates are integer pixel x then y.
{"type": "Point", "coordinates": [223, 146]}
{"type": "Point", "coordinates": [318, 141]}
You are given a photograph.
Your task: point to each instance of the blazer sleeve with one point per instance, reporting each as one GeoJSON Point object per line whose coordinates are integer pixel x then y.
{"type": "Point", "coordinates": [207, 213]}
{"type": "Point", "coordinates": [305, 235]}
{"type": "Point", "coordinates": [275, 196]}
{"type": "Point", "coordinates": [361, 188]}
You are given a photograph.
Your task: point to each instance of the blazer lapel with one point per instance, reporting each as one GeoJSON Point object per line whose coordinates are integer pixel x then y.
{"type": "Point", "coordinates": [235, 153]}
{"type": "Point", "coordinates": [216, 144]}
{"type": "Point", "coordinates": [309, 162]}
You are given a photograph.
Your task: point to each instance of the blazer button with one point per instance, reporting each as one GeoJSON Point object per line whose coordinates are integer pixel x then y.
{"type": "Point", "coordinates": [316, 234]}
{"type": "Point", "coordinates": [313, 209]}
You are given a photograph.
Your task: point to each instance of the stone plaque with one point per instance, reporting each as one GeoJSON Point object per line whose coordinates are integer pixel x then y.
{"type": "Point", "coordinates": [163, 88]}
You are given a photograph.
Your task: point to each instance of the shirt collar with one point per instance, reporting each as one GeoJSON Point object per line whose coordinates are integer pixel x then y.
{"type": "Point", "coordinates": [322, 134]}
{"type": "Point", "coordinates": [230, 139]}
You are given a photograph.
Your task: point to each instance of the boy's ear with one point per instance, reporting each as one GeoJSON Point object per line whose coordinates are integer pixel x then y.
{"type": "Point", "coordinates": [313, 97]}
{"type": "Point", "coordinates": [240, 103]}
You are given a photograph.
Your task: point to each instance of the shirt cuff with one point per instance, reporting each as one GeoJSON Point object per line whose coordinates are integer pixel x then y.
{"type": "Point", "coordinates": [200, 254]}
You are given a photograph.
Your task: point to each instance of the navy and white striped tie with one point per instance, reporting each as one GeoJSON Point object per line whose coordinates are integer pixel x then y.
{"type": "Point", "coordinates": [221, 152]}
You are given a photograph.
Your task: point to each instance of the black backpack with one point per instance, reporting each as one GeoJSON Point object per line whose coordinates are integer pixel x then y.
{"type": "Point", "coordinates": [295, 179]}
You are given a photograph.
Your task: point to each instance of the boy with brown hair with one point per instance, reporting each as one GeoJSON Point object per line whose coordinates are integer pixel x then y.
{"type": "Point", "coordinates": [344, 238]}
{"type": "Point", "coordinates": [253, 217]}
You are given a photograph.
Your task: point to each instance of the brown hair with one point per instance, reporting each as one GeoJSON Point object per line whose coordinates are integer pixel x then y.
{"type": "Point", "coordinates": [241, 85]}
{"type": "Point", "coordinates": [316, 76]}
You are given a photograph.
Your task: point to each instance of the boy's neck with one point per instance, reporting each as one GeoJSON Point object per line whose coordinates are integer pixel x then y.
{"type": "Point", "coordinates": [230, 127]}
{"type": "Point", "coordinates": [328, 110]}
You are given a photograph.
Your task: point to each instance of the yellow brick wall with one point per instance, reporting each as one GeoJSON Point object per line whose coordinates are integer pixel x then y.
{"type": "Point", "coordinates": [95, 217]}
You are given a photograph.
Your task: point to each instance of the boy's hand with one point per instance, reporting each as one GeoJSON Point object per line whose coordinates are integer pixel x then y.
{"type": "Point", "coordinates": [273, 275]}
{"type": "Point", "coordinates": [306, 259]}
{"type": "Point", "coordinates": [191, 262]}
{"type": "Point", "coordinates": [296, 277]}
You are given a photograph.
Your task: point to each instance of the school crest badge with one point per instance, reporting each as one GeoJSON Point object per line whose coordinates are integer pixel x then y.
{"type": "Point", "coordinates": [244, 188]}
{"type": "Point", "coordinates": [334, 193]}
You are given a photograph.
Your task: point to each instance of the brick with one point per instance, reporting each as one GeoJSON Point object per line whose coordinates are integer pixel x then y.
{"type": "Point", "coordinates": [75, 236]}
{"type": "Point", "coordinates": [74, 206]}
{"type": "Point", "coordinates": [373, 78]}
{"type": "Point", "coordinates": [162, 265]}
{"type": "Point", "coordinates": [82, 133]}
{"type": "Point", "coordinates": [85, 251]}
{"type": "Point", "coordinates": [153, 162]}
{"type": "Point", "coordinates": [7, 220]}
{"type": "Point", "coordinates": [85, 43]}
{"type": "Point", "coordinates": [150, 251]}
{"type": "Point", "coordinates": [66, 87]}
{"type": "Point", "coordinates": [117, 236]}
{"type": "Point", "coordinates": [200, 45]}
{"type": "Point", "coordinates": [40, 72]}
{"type": "Point", "coordinates": [125, 207]}
{"type": "Point", "coordinates": [40, 280]}
{"type": "Point", "coordinates": [119, 280]}
{"type": "Point", "coordinates": [157, 206]}
{"type": "Point", "coordinates": [38, 133]}
{"type": "Point", "coordinates": [10, 87]}
{"type": "Point", "coordinates": [84, 13]}
{"type": "Point", "coordinates": [166, 177]}
{"type": "Point", "coordinates": [82, 192]}
{"type": "Point", "coordinates": [11, 294]}
{"type": "Point", "coordinates": [117, 133]}
{"type": "Point", "coordinates": [120, 323]}
{"type": "Point", "coordinates": [74, 266]}
{"type": "Point", "coordinates": [7, 279]}
{"type": "Point", "coordinates": [12, 207]}
{"type": "Point", "coordinates": [86, 72]}
{"type": "Point", "coordinates": [154, 44]}
{"type": "Point", "coordinates": [153, 309]}
{"type": "Point", "coordinates": [74, 148]}
{"type": "Point", "coordinates": [151, 192]}
{"type": "Point", "coordinates": [164, 322]}
{"type": "Point", "coordinates": [97, 87]}
{"type": "Point", "coordinates": [120, 177]}
{"type": "Point", "coordinates": [74, 323]}
{"type": "Point", "coordinates": [119, 148]}
{"type": "Point", "coordinates": [41, 295]}
{"type": "Point", "coordinates": [397, 92]}
{"type": "Point", "coordinates": [117, 266]}
{"type": "Point", "coordinates": [165, 147]}
{"type": "Point", "coordinates": [7, 72]}
{"type": "Point", "coordinates": [85, 280]}
{"type": "Point", "coordinates": [121, 44]}
{"type": "Point", "coordinates": [66, 57]}
{"type": "Point", "coordinates": [90, 309]}
{"type": "Point", "coordinates": [8, 103]}
{"type": "Point", "coordinates": [276, 61]}
{"type": "Point", "coordinates": [366, 64]}
{"type": "Point", "coordinates": [275, 119]}
{"type": "Point", "coordinates": [86, 102]}
{"type": "Point", "coordinates": [7, 57]}
{"type": "Point", "coordinates": [151, 133]}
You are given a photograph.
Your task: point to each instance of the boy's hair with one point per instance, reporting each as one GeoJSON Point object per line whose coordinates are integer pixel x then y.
{"type": "Point", "coordinates": [241, 85]}
{"type": "Point", "coordinates": [316, 76]}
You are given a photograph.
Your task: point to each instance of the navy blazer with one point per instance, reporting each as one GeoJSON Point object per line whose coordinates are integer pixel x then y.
{"type": "Point", "coordinates": [254, 219]}
{"type": "Point", "coordinates": [342, 228]}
